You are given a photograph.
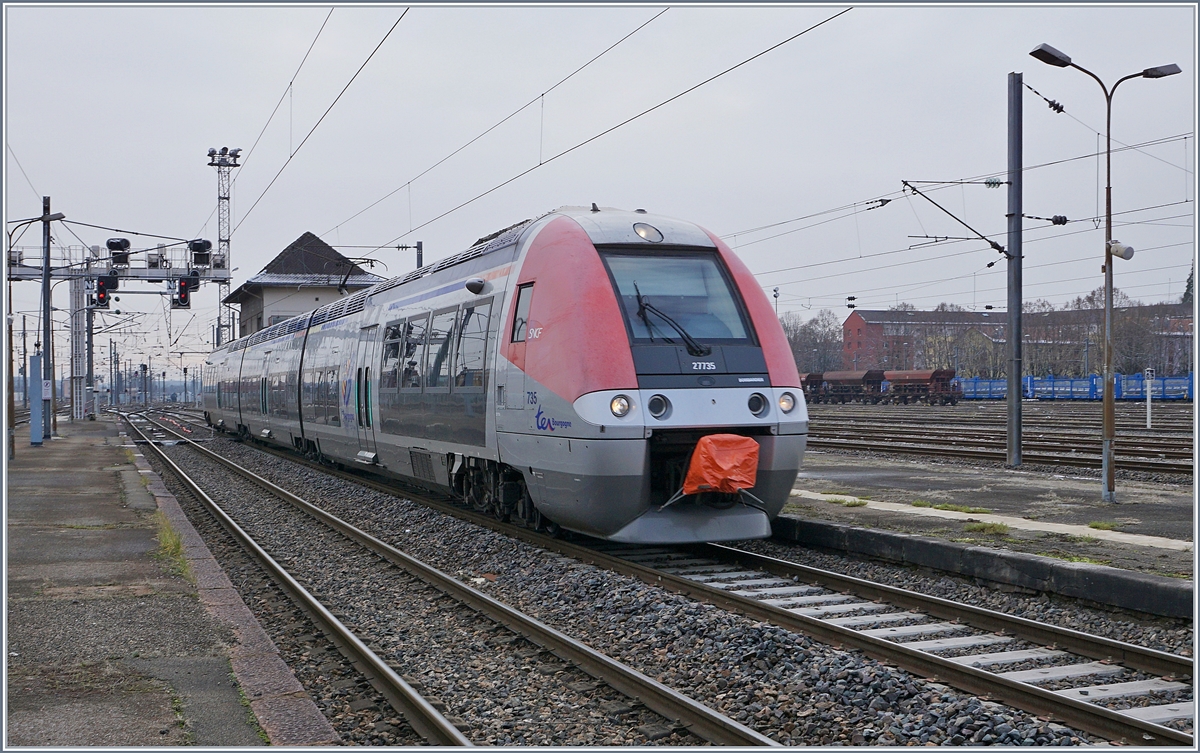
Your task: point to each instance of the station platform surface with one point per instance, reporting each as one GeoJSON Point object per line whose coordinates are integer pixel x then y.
{"type": "Point", "coordinates": [1049, 520]}
{"type": "Point", "coordinates": [111, 642]}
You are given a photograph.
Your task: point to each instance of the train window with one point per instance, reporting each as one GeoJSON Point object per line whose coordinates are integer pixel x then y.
{"type": "Point", "coordinates": [661, 294]}
{"type": "Point", "coordinates": [437, 366]}
{"type": "Point", "coordinates": [332, 408]}
{"type": "Point", "coordinates": [521, 319]}
{"type": "Point", "coordinates": [470, 365]}
{"type": "Point", "coordinates": [411, 356]}
{"type": "Point", "coordinates": [389, 377]}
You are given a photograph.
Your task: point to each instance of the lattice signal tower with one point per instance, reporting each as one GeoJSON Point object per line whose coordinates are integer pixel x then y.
{"type": "Point", "coordinates": [224, 160]}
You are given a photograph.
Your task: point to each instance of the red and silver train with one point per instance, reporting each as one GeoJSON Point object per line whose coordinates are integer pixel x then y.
{"type": "Point", "coordinates": [559, 373]}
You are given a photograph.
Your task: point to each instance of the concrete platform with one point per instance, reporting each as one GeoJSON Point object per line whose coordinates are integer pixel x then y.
{"type": "Point", "coordinates": [107, 643]}
{"type": "Point", "coordinates": [1041, 531]}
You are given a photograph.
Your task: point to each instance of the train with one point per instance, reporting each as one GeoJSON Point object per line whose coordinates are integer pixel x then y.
{"type": "Point", "coordinates": [929, 386]}
{"type": "Point", "coordinates": [558, 374]}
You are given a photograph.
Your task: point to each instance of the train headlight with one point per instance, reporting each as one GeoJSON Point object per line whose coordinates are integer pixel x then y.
{"type": "Point", "coordinates": [658, 406]}
{"type": "Point", "coordinates": [786, 402]}
{"type": "Point", "coordinates": [620, 406]}
{"type": "Point", "coordinates": [757, 405]}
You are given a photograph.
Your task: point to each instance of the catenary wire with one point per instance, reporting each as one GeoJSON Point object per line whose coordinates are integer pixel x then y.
{"type": "Point", "coordinates": [499, 123]}
{"type": "Point", "coordinates": [27, 180]}
{"type": "Point", "coordinates": [611, 129]}
{"type": "Point", "coordinates": [938, 243]}
{"type": "Point", "coordinates": [1057, 107]}
{"type": "Point", "coordinates": [271, 117]}
{"type": "Point", "coordinates": [858, 291]}
{"type": "Point", "coordinates": [1153, 142]}
{"type": "Point", "coordinates": [319, 121]}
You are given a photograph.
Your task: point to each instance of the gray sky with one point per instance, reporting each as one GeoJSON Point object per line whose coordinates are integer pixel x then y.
{"type": "Point", "coordinates": [111, 110]}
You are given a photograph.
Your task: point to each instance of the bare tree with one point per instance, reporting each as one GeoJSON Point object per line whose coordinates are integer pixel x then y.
{"type": "Point", "coordinates": [817, 343]}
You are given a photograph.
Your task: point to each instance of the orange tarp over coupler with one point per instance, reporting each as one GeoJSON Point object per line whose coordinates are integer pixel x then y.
{"type": "Point", "coordinates": [722, 463]}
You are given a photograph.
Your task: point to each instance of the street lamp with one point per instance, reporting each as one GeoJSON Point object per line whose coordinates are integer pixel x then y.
{"type": "Point", "coordinates": [1051, 56]}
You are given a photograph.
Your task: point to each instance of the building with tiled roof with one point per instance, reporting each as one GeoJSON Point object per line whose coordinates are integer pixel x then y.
{"type": "Point", "coordinates": [304, 276]}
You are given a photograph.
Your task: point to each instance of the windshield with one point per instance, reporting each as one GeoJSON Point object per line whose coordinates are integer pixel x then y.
{"type": "Point", "coordinates": [688, 290]}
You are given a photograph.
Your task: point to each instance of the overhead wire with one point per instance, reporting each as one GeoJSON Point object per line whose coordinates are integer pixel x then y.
{"type": "Point", "coordinates": [612, 128]}
{"type": "Point", "coordinates": [319, 121]}
{"type": "Point", "coordinates": [499, 123]}
{"type": "Point", "coordinates": [27, 180]}
{"type": "Point", "coordinates": [124, 232]}
{"type": "Point", "coordinates": [1059, 108]}
{"type": "Point", "coordinates": [954, 241]}
{"type": "Point", "coordinates": [286, 90]}
{"type": "Point", "coordinates": [946, 184]}
{"type": "Point", "coordinates": [953, 278]}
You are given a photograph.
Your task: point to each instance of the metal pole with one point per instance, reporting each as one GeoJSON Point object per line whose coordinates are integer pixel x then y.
{"type": "Point", "coordinates": [1148, 385]}
{"type": "Point", "coordinates": [12, 386]}
{"type": "Point", "coordinates": [90, 387]}
{"type": "Point", "coordinates": [1015, 362]}
{"type": "Point", "coordinates": [1107, 466]}
{"type": "Point", "coordinates": [24, 366]}
{"type": "Point", "coordinates": [48, 351]}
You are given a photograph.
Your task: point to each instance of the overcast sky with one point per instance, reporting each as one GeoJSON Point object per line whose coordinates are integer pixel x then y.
{"type": "Point", "coordinates": [110, 111]}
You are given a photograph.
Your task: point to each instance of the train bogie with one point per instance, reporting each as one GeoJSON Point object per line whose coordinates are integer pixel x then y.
{"type": "Point", "coordinates": [559, 373]}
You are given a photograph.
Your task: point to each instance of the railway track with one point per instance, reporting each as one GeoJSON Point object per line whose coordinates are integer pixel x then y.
{"type": "Point", "coordinates": [678, 711]}
{"type": "Point", "coordinates": [947, 434]}
{"type": "Point", "coordinates": [1168, 419]}
{"type": "Point", "coordinates": [999, 656]}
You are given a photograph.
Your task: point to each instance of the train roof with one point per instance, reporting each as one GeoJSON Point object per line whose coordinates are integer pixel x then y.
{"type": "Point", "coordinates": [605, 226]}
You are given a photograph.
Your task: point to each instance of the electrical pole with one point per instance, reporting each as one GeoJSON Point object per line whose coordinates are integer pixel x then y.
{"type": "Point", "coordinates": [224, 160]}
{"type": "Point", "coordinates": [48, 351]}
{"type": "Point", "coordinates": [1014, 269]}
{"type": "Point", "coordinates": [24, 366]}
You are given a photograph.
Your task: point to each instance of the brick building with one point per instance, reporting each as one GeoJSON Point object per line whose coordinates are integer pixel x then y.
{"type": "Point", "coordinates": [1064, 343]}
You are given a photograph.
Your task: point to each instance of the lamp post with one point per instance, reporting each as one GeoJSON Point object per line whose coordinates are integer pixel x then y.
{"type": "Point", "coordinates": [1051, 56]}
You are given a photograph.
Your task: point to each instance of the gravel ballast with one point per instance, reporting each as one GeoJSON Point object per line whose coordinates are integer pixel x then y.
{"type": "Point", "coordinates": [780, 683]}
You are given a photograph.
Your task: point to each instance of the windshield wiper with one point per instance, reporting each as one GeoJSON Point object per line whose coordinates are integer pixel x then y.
{"type": "Point", "coordinates": [693, 348]}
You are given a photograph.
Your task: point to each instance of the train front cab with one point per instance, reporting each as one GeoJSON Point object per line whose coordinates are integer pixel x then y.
{"type": "Point", "coordinates": [604, 397]}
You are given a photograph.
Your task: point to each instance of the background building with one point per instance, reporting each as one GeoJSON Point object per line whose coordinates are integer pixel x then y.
{"type": "Point", "coordinates": [304, 276]}
{"type": "Point", "coordinates": [1058, 342]}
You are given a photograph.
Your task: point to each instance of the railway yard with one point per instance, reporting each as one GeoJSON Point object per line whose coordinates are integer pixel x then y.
{"type": "Point", "coordinates": [405, 620]}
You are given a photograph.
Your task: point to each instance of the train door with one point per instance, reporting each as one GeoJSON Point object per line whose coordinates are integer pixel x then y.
{"type": "Point", "coordinates": [364, 394]}
{"type": "Point", "coordinates": [264, 396]}
{"type": "Point", "coordinates": [516, 394]}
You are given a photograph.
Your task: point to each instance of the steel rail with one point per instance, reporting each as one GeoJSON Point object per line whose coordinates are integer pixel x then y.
{"type": "Point", "coordinates": [1094, 646]}
{"type": "Point", "coordinates": [1080, 714]}
{"type": "Point", "coordinates": [1123, 463]}
{"type": "Point", "coordinates": [697, 718]}
{"type": "Point", "coordinates": [1057, 442]}
{"type": "Point", "coordinates": [424, 718]}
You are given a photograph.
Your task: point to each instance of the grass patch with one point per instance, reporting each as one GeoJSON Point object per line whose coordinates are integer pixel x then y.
{"type": "Point", "coordinates": [993, 528]}
{"type": "Point", "coordinates": [847, 502]}
{"type": "Point", "coordinates": [1102, 525]}
{"type": "Point", "coordinates": [170, 548]}
{"type": "Point", "coordinates": [1074, 558]}
{"type": "Point", "coordinates": [251, 719]}
{"type": "Point", "coordinates": [921, 503]}
{"type": "Point", "coordinates": [962, 508]}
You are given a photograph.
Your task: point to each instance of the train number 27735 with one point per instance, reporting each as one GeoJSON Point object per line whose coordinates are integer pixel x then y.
{"type": "Point", "coordinates": [704, 366]}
